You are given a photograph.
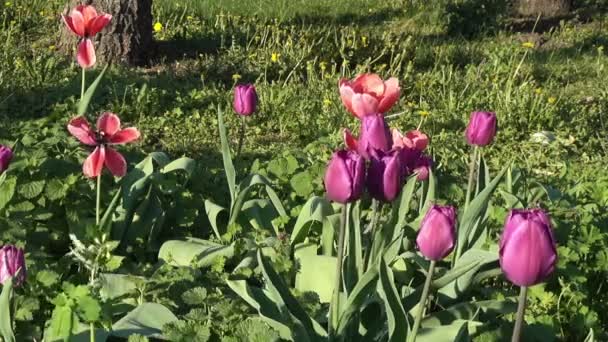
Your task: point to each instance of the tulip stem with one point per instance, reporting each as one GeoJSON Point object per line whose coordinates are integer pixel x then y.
{"type": "Point", "coordinates": [335, 303]}
{"type": "Point", "coordinates": [92, 335]}
{"type": "Point", "coordinates": [376, 208]}
{"type": "Point", "coordinates": [242, 136]}
{"type": "Point", "coordinates": [472, 169]}
{"type": "Point", "coordinates": [84, 77]}
{"type": "Point", "coordinates": [422, 304]}
{"type": "Point", "coordinates": [521, 309]}
{"type": "Point", "coordinates": [98, 202]}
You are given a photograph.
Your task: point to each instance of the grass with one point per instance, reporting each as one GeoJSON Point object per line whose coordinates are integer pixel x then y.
{"type": "Point", "coordinates": [555, 87]}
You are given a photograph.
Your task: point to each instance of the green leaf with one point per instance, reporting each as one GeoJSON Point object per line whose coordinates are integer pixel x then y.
{"type": "Point", "coordinates": [31, 189]}
{"type": "Point", "coordinates": [7, 191]}
{"type": "Point", "coordinates": [245, 188]}
{"type": "Point", "coordinates": [147, 320]}
{"type": "Point", "coordinates": [398, 324]}
{"type": "Point", "coordinates": [182, 164]}
{"type": "Point", "coordinates": [364, 288]}
{"type": "Point", "coordinates": [469, 311]}
{"type": "Point", "coordinates": [302, 183]}
{"type": "Point", "coordinates": [455, 332]}
{"type": "Point", "coordinates": [195, 251]}
{"type": "Point", "coordinates": [404, 201]}
{"type": "Point", "coordinates": [213, 211]}
{"type": "Point", "coordinates": [473, 256]}
{"type": "Point", "coordinates": [83, 105]}
{"type": "Point", "coordinates": [226, 156]}
{"type": "Point", "coordinates": [316, 209]}
{"type": "Point", "coordinates": [311, 265]}
{"type": "Point", "coordinates": [47, 278]}
{"type": "Point", "coordinates": [117, 285]}
{"type": "Point", "coordinates": [63, 324]}
{"type": "Point", "coordinates": [590, 337]}
{"type": "Point", "coordinates": [6, 323]}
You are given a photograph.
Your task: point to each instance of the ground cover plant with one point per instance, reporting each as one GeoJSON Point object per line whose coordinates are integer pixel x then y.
{"type": "Point", "coordinates": [305, 170]}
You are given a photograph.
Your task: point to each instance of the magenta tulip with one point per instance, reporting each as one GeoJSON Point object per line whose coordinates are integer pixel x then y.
{"type": "Point", "coordinates": [368, 94]}
{"type": "Point", "coordinates": [245, 99]}
{"type": "Point", "coordinates": [345, 176]}
{"type": "Point", "coordinates": [385, 176]}
{"type": "Point", "coordinates": [85, 22]}
{"type": "Point", "coordinates": [6, 155]}
{"type": "Point", "coordinates": [12, 265]}
{"type": "Point", "coordinates": [108, 133]}
{"type": "Point", "coordinates": [482, 128]}
{"type": "Point", "coordinates": [528, 252]}
{"type": "Point", "coordinates": [437, 235]}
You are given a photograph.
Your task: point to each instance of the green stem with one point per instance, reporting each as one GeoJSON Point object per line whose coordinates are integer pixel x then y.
{"type": "Point", "coordinates": [521, 309]}
{"type": "Point", "coordinates": [98, 202]}
{"type": "Point", "coordinates": [242, 136]}
{"type": "Point", "coordinates": [84, 76]}
{"type": "Point", "coordinates": [376, 208]}
{"type": "Point", "coordinates": [92, 335]}
{"type": "Point", "coordinates": [422, 304]}
{"type": "Point", "coordinates": [337, 285]}
{"type": "Point", "coordinates": [472, 169]}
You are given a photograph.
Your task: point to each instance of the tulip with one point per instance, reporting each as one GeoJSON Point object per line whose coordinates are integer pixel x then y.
{"type": "Point", "coordinates": [412, 139]}
{"type": "Point", "coordinates": [481, 129]}
{"type": "Point", "coordinates": [375, 136]}
{"type": "Point", "coordinates": [422, 167]}
{"type": "Point", "coordinates": [385, 176]}
{"type": "Point", "coordinates": [245, 99]}
{"type": "Point", "coordinates": [528, 252]}
{"type": "Point", "coordinates": [12, 265]}
{"type": "Point", "coordinates": [368, 94]}
{"type": "Point", "coordinates": [6, 155]}
{"type": "Point", "coordinates": [344, 177]}
{"type": "Point", "coordinates": [108, 133]}
{"type": "Point", "coordinates": [437, 234]}
{"type": "Point", "coordinates": [85, 22]}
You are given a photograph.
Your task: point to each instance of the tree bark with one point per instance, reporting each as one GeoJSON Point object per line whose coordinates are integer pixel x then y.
{"type": "Point", "coordinates": [128, 37]}
{"type": "Point", "coordinates": [547, 8]}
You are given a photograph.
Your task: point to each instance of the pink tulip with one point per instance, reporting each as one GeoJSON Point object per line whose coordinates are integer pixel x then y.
{"type": "Point", "coordinates": [528, 251]}
{"type": "Point", "coordinates": [481, 128]}
{"type": "Point", "coordinates": [108, 133]}
{"type": "Point", "coordinates": [6, 155]}
{"type": "Point", "coordinates": [84, 22]}
{"type": "Point", "coordinates": [368, 94]}
{"type": "Point", "coordinates": [12, 263]}
{"type": "Point", "coordinates": [375, 136]}
{"type": "Point", "coordinates": [345, 176]}
{"type": "Point", "coordinates": [412, 139]}
{"type": "Point", "coordinates": [385, 175]}
{"type": "Point", "coordinates": [422, 167]}
{"type": "Point", "coordinates": [437, 234]}
{"type": "Point", "coordinates": [245, 99]}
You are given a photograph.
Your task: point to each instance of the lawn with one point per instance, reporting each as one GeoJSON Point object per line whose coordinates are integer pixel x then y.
{"type": "Point", "coordinates": [183, 237]}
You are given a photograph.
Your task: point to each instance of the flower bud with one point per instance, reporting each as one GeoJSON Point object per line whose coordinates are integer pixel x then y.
{"type": "Point", "coordinates": [6, 155]}
{"type": "Point", "coordinates": [375, 135]}
{"type": "Point", "coordinates": [245, 99]}
{"type": "Point", "coordinates": [385, 175]}
{"type": "Point", "coordinates": [437, 234]}
{"type": "Point", "coordinates": [481, 129]}
{"type": "Point", "coordinates": [12, 265]}
{"type": "Point", "coordinates": [344, 177]}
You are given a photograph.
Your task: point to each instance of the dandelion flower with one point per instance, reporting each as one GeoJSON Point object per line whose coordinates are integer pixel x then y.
{"type": "Point", "coordinates": [528, 45]}
{"type": "Point", "coordinates": [551, 100]}
{"type": "Point", "coordinates": [275, 57]}
{"type": "Point", "coordinates": [158, 27]}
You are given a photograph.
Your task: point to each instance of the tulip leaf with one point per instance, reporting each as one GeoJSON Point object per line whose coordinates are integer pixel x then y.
{"type": "Point", "coordinates": [470, 311]}
{"type": "Point", "coordinates": [83, 105]}
{"type": "Point", "coordinates": [7, 191]}
{"type": "Point", "coordinates": [404, 201]}
{"type": "Point", "coordinates": [590, 337]}
{"type": "Point", "coordinates": [474, 213]}
{"type": "Point", "coordinates": [454, 332]}
{"type": "Point", "coordinates": [311, 265]}
{"type": "Point", "coordinates": [245, 188]}
{"type": "Point", "coordinates": [182, 164]}
{"type": "Point", "coordinates": [429, 195]}
{"type": "Point", "coordinates": [316, 209]}
{"type": "Point", "coordinates": [479, 257]}
{"type": "Point", "coordinates": [364, 288]}
{"type": "Point", "coordinates": [226, 156]}
{"type": "Point", "coordinates": [197, 252]}
{"type": "Point", "coordinates": [147, 319]}
{"type": "Point", "coordinates": [354, 261]}
{"type": "Point", "coordinates": [398, 324]}
{"type": "Point", "coordinates": [213, 211]}
{"type": "Point", "coordinates": [6, 324]}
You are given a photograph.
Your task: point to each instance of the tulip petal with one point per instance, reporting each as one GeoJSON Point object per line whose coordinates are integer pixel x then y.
{"type": "Point", "coordinates": [69, 24]}
{"type": "Point", "coordinates": [86, 54]}
{"type": "Point", "coordinates": [124, 136]}
{"type": "Point", "coordinates": [108, 124]}
{"type": "Point", "coordinates": [364, 104]}
{"type": "Point", "coordinates": [88, 13]}
{"type": "Point", "coordinates": [390, 96]}
{"type": "Point", "coordinates": [79, 127]}
{"type": "Point", "coordinates": [337, 180]}
{"type": "Point", "coordinates": [115, 162]}
{"type": "Point", "coordinates": [350, 141]}
{"type": "Point", "coordinates": [369, 83]}
{"type": "Point", "coordinates": [94, 163]}
{"type": "Point", "coordinates": [98, 24]}
{"type": "Point", "coordinates": [78, 23]}
{"type": "Point", "coordinates": [392, 178]}
{"type": "Point", "coordinates": [346, 94]}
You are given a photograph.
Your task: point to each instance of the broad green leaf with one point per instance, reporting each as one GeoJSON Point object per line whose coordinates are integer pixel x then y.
{"type": "Point", "coordinates": [477, 256]}
{"type": "Point", "coordinates": [398, 324]}
{"type": "Point", "coordinates": [226, 156]}
{"type": "Point", "coordinates": [199, 252]}
{"type": "Point", "coordinates": [7, 191]}
{"type": "Point", "coordinates": [117, 285]}
{"type": "Point", "coordinates": [455, 332]}
{"type": "Point", "coordinates": [63, 324]}
{"type": "Point", "coordinates": [6, 323]}
{"type": "Point", "coordinates": [315, 209]}
{"type": "Point", "coordinates": [311, 265]}
{"type": "Point", "coordinates": [404, 202]}
{"type": "Point", "coordinates": [469, 311]}
{"type": "Point", "coordinates": [182, 164]}
{"type": "Point", "coordinates": [147, 320]}
{"type": "Point", "coordinates": [245, 187]}
{"type": "Point", "coordinates": [365, 287]}
{"type": "Point", "coordinates": [31, 189]}
{"type": "Point", "coordinates": [213, 211]}
{"type": "Point", "coordinates": [354, 260]}
{"type": "Point", "coordinates": [590, 337]}
{"type": "Point", "coordinates": [83, 105]}
{"type": "Point", "coordinates": [430, 194]}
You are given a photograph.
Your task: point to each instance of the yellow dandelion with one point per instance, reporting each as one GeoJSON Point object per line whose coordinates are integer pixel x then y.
{"type": "Point", "coordinates": [364, 40]}
{"type": "Point", "coordinates": [538, 91]}
{"type": "Point", "coordinates": [326, 102]}
{"type": "Point", "coordinates": [236, 77]}
{"type": "Point", "coordinates": [51, 47]}
{"type": "Point", "coordinates": [189, 17]}
{"type": "Point", "coordinates": [528, 45]}
{"type": "Point", "coordinates": [275, 57]}
{"type": "Point", "coordinates": [424, 113]}
{"type": "Point", "coordinates": [158, 27]}
{"type": "Point", "coordinates": [8, 4]}
{"type": "Point", "coordinates": [323, 65]}
{"type": "Point", "coordinates": [551, 100]}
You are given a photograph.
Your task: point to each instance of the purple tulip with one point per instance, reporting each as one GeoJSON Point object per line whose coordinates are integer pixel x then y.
{"type": "Point", "coordinates": [437, 234]}
{"type": "Point", "coordinates": [481, 129]}
{"type": "Point", "coordinates": [385, 175]}
{"type": "Point", "coordinates": [12, 261]}
{"type": "Point", "coordinates": [6, 155]}
{"type": "Point", "coordinates": [245, 99]}
{"type": "Point", "coordinates": [528, 252]}
{"type": "Point", "coordinates": [375, 135]}
{"type": "Point", "coordinates": [344, 177]}
{"type": "Point", "coordinates": [422, 167]}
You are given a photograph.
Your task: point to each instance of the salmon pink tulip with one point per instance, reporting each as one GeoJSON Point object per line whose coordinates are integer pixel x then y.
{"type": "Point", "coordinates": [412, 139]}
{"type": "Point", "coordinates": [85, 22]}
{"type": "Point", "coordinates": [368, 94]}
{"type": "Point", "coordinates": [108, 133]}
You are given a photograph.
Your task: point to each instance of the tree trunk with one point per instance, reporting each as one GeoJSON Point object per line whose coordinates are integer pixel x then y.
{"type": "Point", "coordinates": [547, 8]}
{"type": "Point", "coordinates": [128, 37]}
